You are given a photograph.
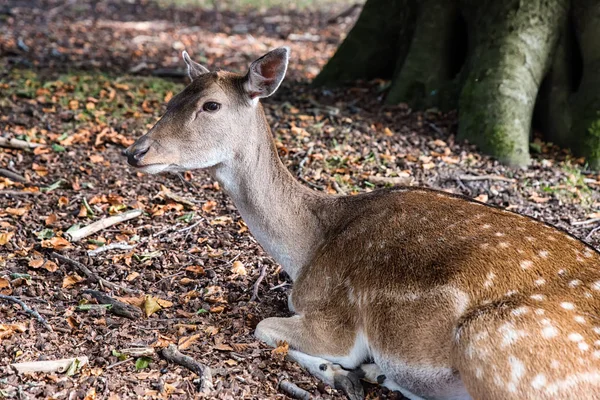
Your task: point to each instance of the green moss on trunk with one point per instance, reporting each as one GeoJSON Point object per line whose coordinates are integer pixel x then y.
{"type": "Point", "coordinates": [428, 68]}
{"type": "Point", "coordinates": [373, 45]}
{"type": "Point", "coordinates": [511, 44]}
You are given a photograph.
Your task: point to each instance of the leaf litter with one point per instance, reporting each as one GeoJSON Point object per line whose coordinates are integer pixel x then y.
{"type": "Point", "coordinates": [80, 81]}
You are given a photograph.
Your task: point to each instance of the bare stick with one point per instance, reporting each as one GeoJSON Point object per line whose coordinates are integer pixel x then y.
{"type": "Point", "coordinates": [112, 246]}
{"type": "Point", "coordinates": [344, 14]}
{"type": "Point", "coordinates": [92, 276]}
{"type": "Point", "coordinates": [284, 284]}
{"type": "Point", "coordinates": [263, 273]}
{"type": "Point", "coordinates": [18, 144]}
{"type": "Point", "coordinates": [12, 175]}
{"type": "Point", "coordinates": [172, 354]}
{"type": "Point", "coordinates": [292, 390]}
{"type": "Point", "coordinates": [18, 193]}
{"type": "Point", "coordinates": [120, 363]}
{"type": "Point", "coordinates": [118, 307]}
{"type": "Point", "coordinates": [338, 188]}
{"type": "Point", "coordinates": [485, 178]}
{"type": "Point", "coordinates": [50, 366]}
{"type": "Point", "coordinates": [592, 232]}
{"type": "Point", "coordinates": [102, 224]}
{"type": "Point", "coordinates": [586, 222]}
{"type": "Point", "coordinates": [28, 310]}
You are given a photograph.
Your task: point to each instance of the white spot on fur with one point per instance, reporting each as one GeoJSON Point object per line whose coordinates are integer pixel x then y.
{"type": "Point", "coordinates": [549, 332]}
{"type": "Point", "coordinates": [509, 334]}
{"type": "Point", "coordinates": [537, 297]}
{"type": "Point", "coordinates": [543, 254]}
{"type": "Point", "coordinates": [567, 306]}
{"type": "Point", "coordinates": [499, 234]}
{"type": "Point", "coordinates": [520, 311]}
{"type": "Point", "coordinates": [540, 282]}
{"type": "Point", "coordinates": [517, 370]}
{"type": "Point", "coordinates": [540, 311]}
{"type": "Point", "coordinates": [583, 346]}
{"type": "Point", "coordinates": [574, 283]}
{"type": "Point", "coordinates": [580, 319]}
{"type": "Point", "coordinates": [504, 245]}
{"type": "Point", "coordinates": [538, 381]}
{"type": "Point", "coordinates": [486, 226]}
{"type": "Point", "coordinates": [555, 364]}
{"type": "Point", "coordinates": [526, 264]}
{"type": "Point", "coordinates": [596, 329]}
{"type": "Point", "coordinates": [489, 279]}
{"type": "Point", "coordinates": [595, 285]}
{"type": "Point", "coordinates": [575, 337]}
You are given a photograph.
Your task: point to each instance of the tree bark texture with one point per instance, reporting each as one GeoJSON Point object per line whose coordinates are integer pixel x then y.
{"type": "Point", "coordinates": [496, 60]}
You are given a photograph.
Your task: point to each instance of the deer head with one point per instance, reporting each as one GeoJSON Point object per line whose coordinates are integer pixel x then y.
{"type": "Point", "coordinates": [208, 123]}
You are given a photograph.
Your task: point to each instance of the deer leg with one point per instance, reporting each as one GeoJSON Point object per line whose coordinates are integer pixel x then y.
{"type": "Point", "coordinates": [312, 346]}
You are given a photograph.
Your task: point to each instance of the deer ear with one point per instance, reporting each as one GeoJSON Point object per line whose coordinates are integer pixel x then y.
{"type": "Point", "coordinates": [194, 69]}
{"type": "Point", "coordinates": [266, 73]}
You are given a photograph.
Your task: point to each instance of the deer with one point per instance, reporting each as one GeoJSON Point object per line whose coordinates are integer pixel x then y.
{"type": "Point", "coordinates": [428, 293]}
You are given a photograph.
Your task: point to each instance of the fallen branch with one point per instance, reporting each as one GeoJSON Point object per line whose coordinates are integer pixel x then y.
{"type": "Point", "coordinates": [172, 354]}
{"type": "Point", "coordinates": [49, 366]}
{"type": "Point", "coordinates": [19, 144]}
{"type": "Point", "coordinates": [292, 390]}
{"type": "Point", "coordinates": [92, 276]}
{"type": "Point", "coordinates": [118, 307]}
{"type": "Point", "coordinates": [263, 273]}
{"type": "Point", "coordinates": [19, 193]}
{"type": "Point", "coordinates": [28, 310]}
{"type": "Point", "coordinates": [485, 178]}
{"type": "Point", "coordinates": [112, 246]}
{"type": "Point", "coordinates": [592, 232]}
{"type": "Point", "coordinates": [586, 222]}
{"type": "Point", "coordinates": [12, 176]}
{"type": "Point", "coordinates": [104, 223]}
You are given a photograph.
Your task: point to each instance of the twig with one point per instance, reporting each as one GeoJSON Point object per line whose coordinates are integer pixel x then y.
{"type": "Point", "coordinates": [344, 14]}
{"type": "Point", "coordinates": [304, 160]}
{"type": "Point", "coordinates": [13, 143]}
{"type": "Point", "coordinates": [28, 310]}
{"type": "Point", "coordinates": [292, 390]}
{"type": "Point", "coordinates": [19, 193]}
{"type": "Point", "coordinates": [309, 183]}
{"type": "Point", "coordinates": [392, 180]}
{"type": "Point", "coordinates": [118, 307]}
{"type": "Point", "coordinates": [92, 276]}
{"type": "Point", "coordinates": [589, 235]}
{"type": "Point", "coordinates": [112, 246]}
{"type": "Point", "coordinates": [187, 228]}
{"type": "Point", "coordinates": [49, 366]}
{"type": "Point", "coordinates": [586, 222]}
{"type": "Point", "coordinates": [13, 176]}
{"type": "Point", "coordinates": [284, 284]}
{"type": "Point", "coordinates": [338, 188]}
{"type": "Point", "coordinates": [175, 197]}
{"type": "Point", "coordinates": [485, 178]}
{"type": "Point", "coordinates": [102, 224]}
{"type": "Point", "coordinates": [172, 354]}
{"type": "Point", "coordinates": [263, 273]}
{"type": "Point", "coordinates": [120, 363]}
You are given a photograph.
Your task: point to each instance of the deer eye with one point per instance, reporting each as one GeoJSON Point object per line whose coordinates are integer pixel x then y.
{"type": "Point", "coordinates": [211, 106]}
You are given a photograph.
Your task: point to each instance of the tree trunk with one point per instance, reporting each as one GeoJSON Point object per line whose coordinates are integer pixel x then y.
{"type": "Point", "coordinates": [512, 42]}
{"type": "Point", "coordinates": [552, 114]}
{"type": "Point", "coordinates": [373, 45]}
{"type": "Point", "coordinates": [586, 102]}
{"type": "Point", "coordinates": [432, 57]}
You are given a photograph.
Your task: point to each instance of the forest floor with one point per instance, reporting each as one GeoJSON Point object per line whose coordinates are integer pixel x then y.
{"type": "Point", "coordinates": [83, 78]}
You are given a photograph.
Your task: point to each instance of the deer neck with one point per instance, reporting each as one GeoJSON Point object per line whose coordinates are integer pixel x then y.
{"type": "Point", "coordinates": [281, 214]}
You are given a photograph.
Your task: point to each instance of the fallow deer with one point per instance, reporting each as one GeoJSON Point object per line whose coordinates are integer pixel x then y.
{"type": "Point", "coordinates": [432, 294]}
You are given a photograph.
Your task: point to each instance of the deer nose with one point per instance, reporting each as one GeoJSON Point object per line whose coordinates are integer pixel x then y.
{"type": "Point", "coordinates": [136, 152]}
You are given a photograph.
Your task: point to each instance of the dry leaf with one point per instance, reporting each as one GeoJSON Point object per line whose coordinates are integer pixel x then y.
{"type": "Point", "coordinates": [222, 220]}
{"type": "Point", "coordinates": [5, 286]}
{"type": "Point", "coordinates": [223, 347]}
{"type": "Point", "coordinates": [36, 262]}
{"type": "Point", "coordinates": [50, 266]}
{"type": "Point", "coordinates": [5, 237]}
{"type": "Point", "coordinates": [50, 219]}
{"type": "Point", "coordinates": [209, 206]}
{"type": "Point", "coordinates": [151, 305]}
{"type": "Point", "coordinates": [217, 309]}
{"type": "Point", "coordinates": [132, 276]}
{"type": "Point", "coordinates": [16, 211]}
{"type": "Point", "coordinates": [134, 301]}
{"type": "Point", "coordinates": [281, 350]}
{"type": "Point", "coordinates": [230, 362]}
{"type": "Point", "coordinates": [57, 243]}
{"type": "Point", "coordinates": [238, 268]}
{"type": "Point", "coordinates": [70, 280]}
{"type": "Point", "coordinates": [482, 198]}
{"type": "Point", "coordinates": [164, 303]}
{"type": "Point", "coordinates": [186, 342]}
{"type": "Point", "coordinates": [96, 159]}
{"type": "Point", "coordinates": [195, 269]}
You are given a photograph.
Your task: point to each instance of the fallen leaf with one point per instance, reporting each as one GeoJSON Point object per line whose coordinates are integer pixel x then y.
{"type": "Point", "coordinates": [5, 286]}
{"type": "Point", "coordinates": [209, 206]}
{"type": "Point", "coordinates": [36, 262]}
{"type": "Point", "coordinates": [132, 276]}
{"type": "Point", "coordinates": [50, 266]}
{"type": "Point", "coordinates": [482, 198]}
{"type": "Point", "coordinates": [186, 342]}
{"type": "Point", "coordinates": [19, 212]}
{"type": "Point", "coordinates": [195, 269]}
{"type": "Point", "coordinates": [50, 219]}
{"type": "Point", "coordinates": [5, 237]}
{"type": "Point", "coordinates": [70, 280]}
{"type": "Point", "coordinates": [238, 268]}
{"type": "Point", "coordinates": [57, 243]}
{"type": "Point", "coordinates": [217, 309]}
{"type": "Point", "coordinates": [281, 350]}
{"type": "Point", "coordinates": [223, 347]}
{"type": "Point", "coordinates": [222, 220]}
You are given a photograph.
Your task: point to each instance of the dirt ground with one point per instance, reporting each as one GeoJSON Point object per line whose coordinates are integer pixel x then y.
{"type": "Point", "coordinates": [86, 79]}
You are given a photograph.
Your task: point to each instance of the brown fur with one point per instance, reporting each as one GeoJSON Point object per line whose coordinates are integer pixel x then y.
{"type": "Point", "coordinates": [448, 293]}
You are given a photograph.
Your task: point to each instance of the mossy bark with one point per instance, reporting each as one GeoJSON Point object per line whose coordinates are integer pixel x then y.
{"type": "Point", "coordinates": [374, 44]}
{"type": "Point", "coordinates": [511, 45]}
{"type": "Point", "coordinates": [429, 65]}
{"type": "Point", "coordinates": [586, 102]}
